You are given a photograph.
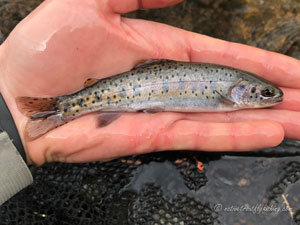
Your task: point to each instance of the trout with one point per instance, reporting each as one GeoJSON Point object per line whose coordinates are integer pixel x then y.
{"type": "Point", "coordinates": [151, 87]}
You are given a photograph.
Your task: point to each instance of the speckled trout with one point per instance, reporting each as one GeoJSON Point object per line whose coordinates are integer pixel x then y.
{"type": "Point", "coordinates": [153, 87]}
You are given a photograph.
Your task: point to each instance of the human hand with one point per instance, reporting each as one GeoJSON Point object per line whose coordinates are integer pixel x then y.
{"type": "Point", "coordinates": [62, 43]}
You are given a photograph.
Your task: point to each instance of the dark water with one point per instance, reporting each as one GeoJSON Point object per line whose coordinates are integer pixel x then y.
{"type": "Point", "coordinates": [176, 188]}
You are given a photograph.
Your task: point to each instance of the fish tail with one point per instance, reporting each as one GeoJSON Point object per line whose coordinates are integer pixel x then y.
{"type": "Point", "coordinates": [43, 115]}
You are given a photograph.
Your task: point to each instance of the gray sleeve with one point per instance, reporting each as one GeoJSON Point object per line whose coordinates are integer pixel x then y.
{"type": "Point", "coordinates": [14, 173]}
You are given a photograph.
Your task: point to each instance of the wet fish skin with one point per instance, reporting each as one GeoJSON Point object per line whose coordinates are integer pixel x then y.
{"type": "Point", "coordinates": [160, 86]}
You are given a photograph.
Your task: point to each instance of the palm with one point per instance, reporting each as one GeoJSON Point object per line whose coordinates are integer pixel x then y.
{"type": "Point", "coordinates": [89, 39]}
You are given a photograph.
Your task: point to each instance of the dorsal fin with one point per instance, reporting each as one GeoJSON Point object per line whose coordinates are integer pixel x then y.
{"type": "Point", "coordinates": [150, 62]}
{"type": "Point", "coordinates": [90, 81]}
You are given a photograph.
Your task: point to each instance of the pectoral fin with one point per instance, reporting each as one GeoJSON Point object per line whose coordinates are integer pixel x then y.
{"type": "Point", "coordinates": [225, 100]}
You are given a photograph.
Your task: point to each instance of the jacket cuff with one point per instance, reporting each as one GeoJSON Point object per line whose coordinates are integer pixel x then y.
{"type": "Point", "coordinates": [14, 173]}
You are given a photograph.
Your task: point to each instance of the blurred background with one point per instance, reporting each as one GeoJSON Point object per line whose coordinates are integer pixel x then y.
{"type": "Point", "coordinates": [176, 188]}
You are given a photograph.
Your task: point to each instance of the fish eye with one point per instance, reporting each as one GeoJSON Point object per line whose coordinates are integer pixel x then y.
{"type": "Point", "coordinates": [268, 92]}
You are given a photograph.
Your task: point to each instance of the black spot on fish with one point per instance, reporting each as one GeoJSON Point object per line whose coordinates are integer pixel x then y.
{"type": "Point", "coordinates": [35, 99]}
{"type": "Point", "coordinates": [30, 102]}
{"type": "Point", "coordinates": [80, 102]}
{"type": "Point", "coordinates": [93, 101]}
{"type": "Point", "coordinates": [73, 104]}
{"type": "Point", "coordinates": [85, 105]}
{"type": "Point", "coordinates": [261, 98]}
{"type": "Point", "coordinates": [205, 87]}
{"type": "Point", "coordinates": [207, 97]}
{"type": "Point", "coordinates": [87, 98]}
{"type": "Point", "coordinates": [230, 75]}
{"type": "Point", "coordinates": [121, 80]}
{"type": "Point", "coordinates": [210, 81]}
{"type": "Point", "coordinates": [114, 96]}
{"type": "Point", "coordinates": [202, 93]}
{"type": "Point", "coordinates": [180, 93]}
{"type": "Point", "coordinates": [172, 75]}
{"type": "Point", "coordinates": [217, 70]}
{"type": "Point", "coordinates": [253, 90]}
{"type": "Point", "coordinates": [65, 110]}
{"type": "Point", "coordinates": [130, 84]}
{"type": "Point", "coordinates": [196, 70]}
{"type": "Point", "coordinates": [104, 82]}
{"type": "Point", "coordinates": [77, 110]}
{"type": "Point", "coordinates": [138, 79]}
{"type": "Point", "coordinates": [96, 92]}
{"type": "Point", "coordinates": [146, 78]}
{"type": "Point", "coordinates": [169, 67]}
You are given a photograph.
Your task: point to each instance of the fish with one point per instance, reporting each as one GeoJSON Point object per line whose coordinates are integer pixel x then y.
{"type": "Point", "coordinates": [154, 86]}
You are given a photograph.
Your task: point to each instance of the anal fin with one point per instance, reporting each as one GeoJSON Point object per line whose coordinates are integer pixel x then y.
{"type": "Point", "coordinates": [152, 110]}
{"type": "Point", "coordinates": [106, 118]}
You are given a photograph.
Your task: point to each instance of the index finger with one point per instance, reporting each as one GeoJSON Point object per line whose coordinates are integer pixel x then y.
{"type": "Point", "coordinates": [173, 43]}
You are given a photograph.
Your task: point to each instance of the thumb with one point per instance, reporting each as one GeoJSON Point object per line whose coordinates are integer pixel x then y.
{"type": "Point", "coordinates": [126, 6]}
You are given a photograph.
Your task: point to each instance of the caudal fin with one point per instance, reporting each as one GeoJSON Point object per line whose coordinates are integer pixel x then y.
{"type": "Point", "coordinates": [42, 113]}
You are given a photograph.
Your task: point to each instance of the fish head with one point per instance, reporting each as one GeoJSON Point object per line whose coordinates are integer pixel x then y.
{"type": "Point", "coordinates": [254, 93]}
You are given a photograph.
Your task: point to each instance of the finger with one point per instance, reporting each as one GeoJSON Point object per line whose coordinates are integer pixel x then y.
{"type": "Point", "coordinates": [125, 6]}
{"type": "Point", "coordinates": [183, 45]}
{"type": "Point", "coordinates": [143, 133]}
{"type": "Point", "coordinates": [290, 120]}
{"type": "Point", "coordinates": [291, 100]}
{"type": "Point", "coordinates": [191, 135]}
